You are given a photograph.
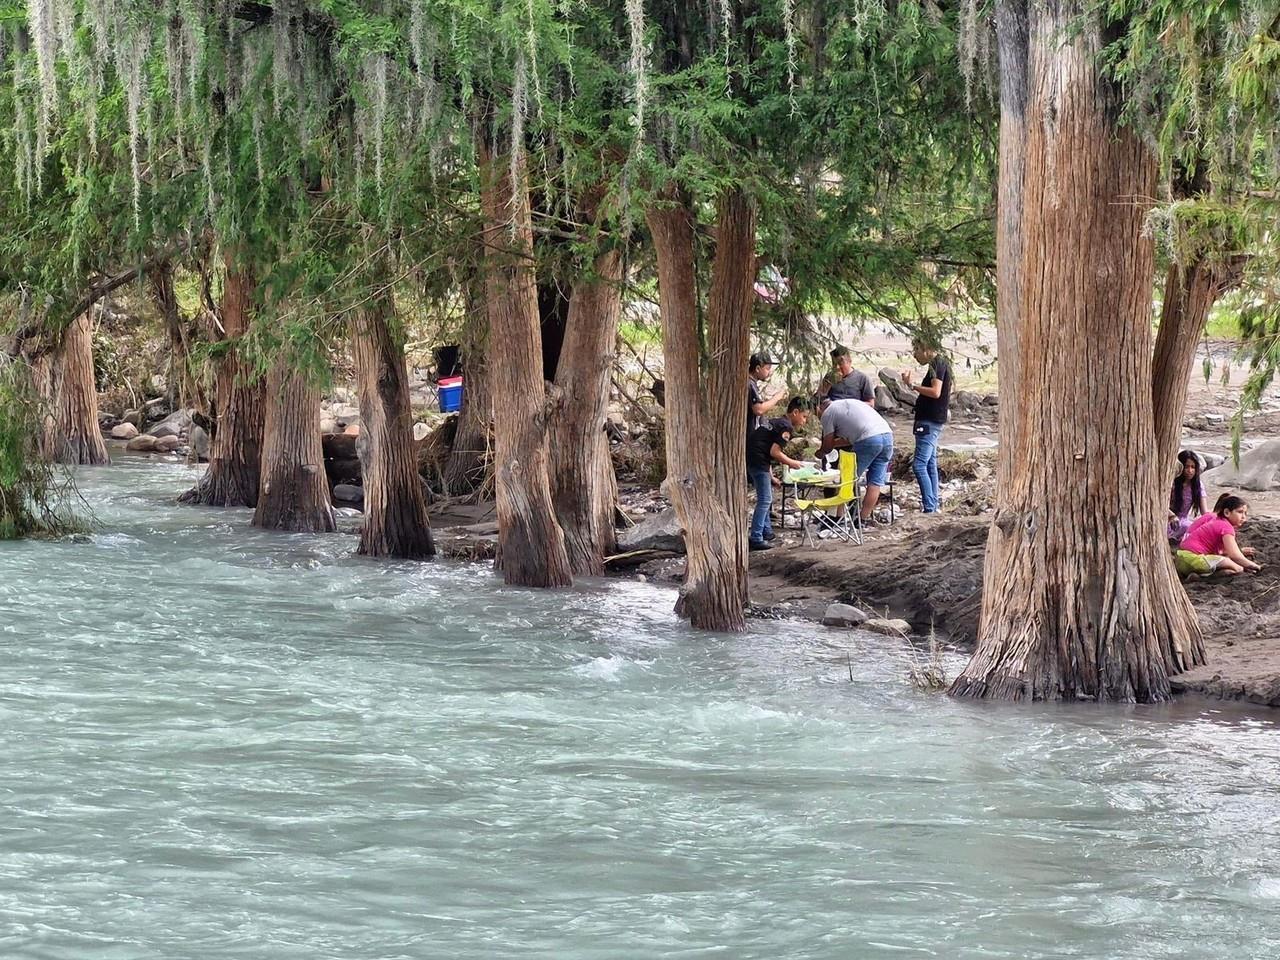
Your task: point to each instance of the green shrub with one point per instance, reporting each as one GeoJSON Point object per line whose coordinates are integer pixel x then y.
{"type": "Point", "coordinates": [35, 495]}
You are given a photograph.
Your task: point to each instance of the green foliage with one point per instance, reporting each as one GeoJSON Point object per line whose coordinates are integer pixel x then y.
{"type": "Point", "coordinates": [34, 494]}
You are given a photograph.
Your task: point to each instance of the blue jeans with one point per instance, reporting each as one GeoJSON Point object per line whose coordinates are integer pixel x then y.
{"type": "Point", "coordinates": [762, 479]}
{"type": "Point", "coordinates": [925, 463]}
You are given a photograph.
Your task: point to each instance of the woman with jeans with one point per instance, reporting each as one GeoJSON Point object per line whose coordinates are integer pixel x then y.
{"type": "Point", "coordinates": [764, 449]}
{"type": "Point", "coordinates": [932, 410]}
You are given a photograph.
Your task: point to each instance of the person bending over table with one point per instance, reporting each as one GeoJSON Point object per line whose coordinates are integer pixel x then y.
{"type": "Point", "coordinates": [764, 449]}
{"type": "Point", "coordinates": [855, 425]}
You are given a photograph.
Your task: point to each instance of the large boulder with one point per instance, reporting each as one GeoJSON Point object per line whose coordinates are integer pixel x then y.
{"type": "Point", "coordinates": [167, 444]}
{"type": "Point", "coordinates": [884, 400]}
{"type": "Point", "coordinates": [844, 615]}
{"type": "Point", "coordinates": [124, 431]}
{"type": "Point", "coordinates": [661, 531]}
{"type": "Point", "coordinates": [176, 424]}
{"type": "Point", "coordinates": [143, 443]}
{"type": "Point", "coordinates": [892, 379]}
{"type": "Point", "coordinates": [965, 401]}
{"type": "Point", "coordinates": [1259, 469]}
{"type": "Point", "coordinates": [348, 493]}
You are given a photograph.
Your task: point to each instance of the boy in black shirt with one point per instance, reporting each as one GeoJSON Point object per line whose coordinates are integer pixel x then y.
{"type": "Point", "coordinates": [764, 448]}
{"type": "Point", "coordinates": [932, 410]}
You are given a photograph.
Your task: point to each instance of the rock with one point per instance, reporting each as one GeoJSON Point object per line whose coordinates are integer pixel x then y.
{"type": "Point", "coordinates": [167, 444]}
{"type": "Point", "coordinates": [1259, 469]}
{"type": "Point", "coordinates": [893, 381]}
{"type": "Point", "coordinates": [991, 400]}
{"type": "Point", "coordinates": [345, 412]}
{"type": "Point", "coordinates": [175, 424]}
{"type": "Point", "coordinates": [421, 431]}
{"type": "Point", "coordinates": [133, 416]}
{"type": "Point", "coordinates": [352, 431]}
{"type": "Point", "coordinates": [1211, 460]}
{"type": "Point", "coordinates": [124, 431]}
{"type": "Point", "coordinates": [348, 493]}
{"type": "Point", "coordinates": [893, 628]}
{"type": "Point", "coordinates": [965, 401]}
{"type": "Point", "coordinates": [144, 443]}
{"type": "Point", "coordinates": [661, 531]}
{"type": "Point", "coordinates": [884, 400]}
{"type": "Point", "coordinates": [199, 445]}
{"type": "Point", "coordinates": [844, 615]}
{"type": "Point", "coordinates": [328, 425]}
{"type": "Point", "coordinates": [343, 395]}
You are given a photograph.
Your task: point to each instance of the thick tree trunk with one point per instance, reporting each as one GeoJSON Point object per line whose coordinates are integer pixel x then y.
{"type": "Point", "coordinates": [1189, 294]}
{"type": "Point", "coordinates": [469, 456]}
{"type": "Point", "coordinates": [706, 403]}
{"type": "Point", "coordinates": [531, 550]}
{"type": "Point", "coordinates": [72, 434]}
{"type": "Point", "coordinates": [232, 478]}
{"type": "Point", "coordinates": [1081, 598]}
{"type": "Point", "coordinates": [395, 511]}
{"type": "Point", "coordinates": [584, 486]}
{"type": "Point", "coordinates": [181, 387]}
{"type": "Point", "coordinates": [295, 490]}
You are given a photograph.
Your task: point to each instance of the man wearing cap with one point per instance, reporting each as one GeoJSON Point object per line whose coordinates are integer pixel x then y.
{"type": "Point", "coordinates": [759, 369]}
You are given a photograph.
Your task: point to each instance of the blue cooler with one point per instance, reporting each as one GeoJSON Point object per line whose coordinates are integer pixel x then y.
{"type": "Point", "coordinates": [450, 394]}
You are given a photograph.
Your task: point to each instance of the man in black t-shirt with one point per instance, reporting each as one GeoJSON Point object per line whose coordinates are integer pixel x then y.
{"type": "Point", "coordinates": [764, 449]}
{"type": "Point", "coordinates": [932, 411]}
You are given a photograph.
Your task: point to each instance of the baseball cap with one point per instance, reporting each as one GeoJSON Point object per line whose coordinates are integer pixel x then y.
{"type": "Point", "coordinates": [760, 360]}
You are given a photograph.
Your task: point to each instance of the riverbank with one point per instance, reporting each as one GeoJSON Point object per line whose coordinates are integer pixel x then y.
{"type": "Point", "coordinates": [930, 574]}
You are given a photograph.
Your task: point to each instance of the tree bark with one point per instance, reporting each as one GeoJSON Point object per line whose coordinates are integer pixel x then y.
{"type": "Point", "coordinates": [465, 470]}
{"type": "Point", "coordinates": [182, 387]}
{"type": "Point", "coordinates": [295, 491]}
{"type": "Point", "coordinates": [584, 486]}
{"type": "Point", "coordinates": [531, 549]}
{"type": "Point", "coordinates": [233, 476]}
{"type": "Point", "coordinates": [1189, 295]}
{"type": "Point", "coordinates": [1081, 600]}
{"type": "Point", "coordinates": [706, 402]}
{"type": "Point", "coordinates": [395, 511]}
{"type": "Point", "coordinates": [72, 434]}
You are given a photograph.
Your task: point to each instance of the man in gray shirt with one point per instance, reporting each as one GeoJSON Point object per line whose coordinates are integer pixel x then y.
{"type": "Point", "coordinates": [855, 425]}
{"type": "Point", "coordinates": [846, 383]}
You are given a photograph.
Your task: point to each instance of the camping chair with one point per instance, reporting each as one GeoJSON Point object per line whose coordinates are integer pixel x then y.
{"type": "Point", "coordinates": [848, 525]}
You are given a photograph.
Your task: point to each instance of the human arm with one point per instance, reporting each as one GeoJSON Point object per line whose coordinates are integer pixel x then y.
{"type": "Point", "coordinates": [776, 452]}
{"type": "Point", "coordinates": [1232, 551]}
{"type": "Point", "coordinates": [761, 407]}
{"type": "Point", "coordinates": [933, 390]}
{"type": "Point", "coordinates": [827, 445]}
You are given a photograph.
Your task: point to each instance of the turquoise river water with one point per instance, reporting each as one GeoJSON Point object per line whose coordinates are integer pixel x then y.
{"type": "Point", "coordinates": [220, 743]}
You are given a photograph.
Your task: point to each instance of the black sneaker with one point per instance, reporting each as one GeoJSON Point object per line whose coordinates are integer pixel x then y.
{"type": "Point", "coordinates": [769, 535]}
{"type": "Point", "coordinates": [759, 545]}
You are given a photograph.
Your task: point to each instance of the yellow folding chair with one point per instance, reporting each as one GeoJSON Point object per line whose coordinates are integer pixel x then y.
{"type": "Point", "coordinates": [847, 524]}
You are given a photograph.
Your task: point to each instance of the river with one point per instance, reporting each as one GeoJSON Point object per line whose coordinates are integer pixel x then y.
{"type": "Point", "coordinates": [222, 743]}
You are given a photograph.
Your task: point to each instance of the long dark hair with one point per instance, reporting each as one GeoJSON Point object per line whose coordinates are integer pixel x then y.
{"type": "Point", "coordinates": [1197, 488]}
{"type": "Point", "coordinates": [1226, 503]}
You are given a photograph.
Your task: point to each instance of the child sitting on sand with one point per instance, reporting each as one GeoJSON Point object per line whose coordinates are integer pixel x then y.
{"type": "Point", "coordinates": [1186, 499]}
{"type": "Point", "coordinates": [1210, 547]}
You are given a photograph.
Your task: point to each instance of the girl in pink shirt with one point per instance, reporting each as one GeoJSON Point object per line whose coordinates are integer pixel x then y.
{"type": "Point", "coordinates": [1210, 544]}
